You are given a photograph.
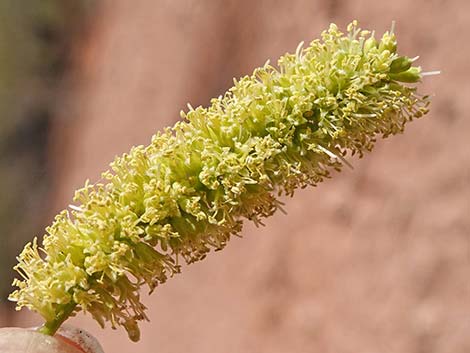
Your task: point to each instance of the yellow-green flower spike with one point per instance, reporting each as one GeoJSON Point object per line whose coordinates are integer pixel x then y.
{"type": "Point", "coordinates": [189, 191]}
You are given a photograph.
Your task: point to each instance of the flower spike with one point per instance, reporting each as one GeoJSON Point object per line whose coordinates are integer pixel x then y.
{"type": "Point", "coordinates": [189, 191]}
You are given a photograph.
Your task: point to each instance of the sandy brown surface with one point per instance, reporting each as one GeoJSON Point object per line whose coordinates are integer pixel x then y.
{"type": "Point", "coordinates": [375, 260]}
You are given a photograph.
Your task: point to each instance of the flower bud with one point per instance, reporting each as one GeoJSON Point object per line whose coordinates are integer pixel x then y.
{"type": "Point", "coordinates": [369, 44]}
{"type": "Point", "coordinates": [400, 64]}
{"type": "Point", "coordinates": [388, 42]}
{"type": "Point", "coordinates": [412, 75]}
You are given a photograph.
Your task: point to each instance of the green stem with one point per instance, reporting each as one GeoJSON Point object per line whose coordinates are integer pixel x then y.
{"type": "Point", "coordinates": [51, 327]}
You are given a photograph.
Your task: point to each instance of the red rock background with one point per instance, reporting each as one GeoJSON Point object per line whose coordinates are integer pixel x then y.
{"type": "Point", "coordinates": [375, 260]}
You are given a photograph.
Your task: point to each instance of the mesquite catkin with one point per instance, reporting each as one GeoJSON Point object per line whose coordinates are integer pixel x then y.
{"type": "Point", "coordinates": [189, 190]}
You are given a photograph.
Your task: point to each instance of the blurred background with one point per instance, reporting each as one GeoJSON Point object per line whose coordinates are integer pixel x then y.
{"type": "Point", "coordinates": [375, 260]}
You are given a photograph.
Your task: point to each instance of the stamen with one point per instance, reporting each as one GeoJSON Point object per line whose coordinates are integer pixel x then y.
{"type": "Point", "coordinates": [298, 51]}
{"type": "Point", "coordinates": [359, 115]}
{"type": "Point", "coordinates": [332, 155]}
{"type": "Point", "coordinates": [76, 208]}
{"type": "Point", "coordinates": [431, 73]}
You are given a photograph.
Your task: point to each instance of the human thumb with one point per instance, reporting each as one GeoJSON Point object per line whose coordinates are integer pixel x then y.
{"type": "Point", "coordinates": [68, 340]}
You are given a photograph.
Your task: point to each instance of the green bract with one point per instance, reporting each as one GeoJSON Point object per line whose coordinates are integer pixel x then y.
{"type": "Point", "coordinates": [189, 190]}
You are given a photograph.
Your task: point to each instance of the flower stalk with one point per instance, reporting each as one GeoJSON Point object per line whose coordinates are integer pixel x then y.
{"type": "Point", "coordinates": [51, 327]}
{"type": "Point", "coordinates": [189, 191]}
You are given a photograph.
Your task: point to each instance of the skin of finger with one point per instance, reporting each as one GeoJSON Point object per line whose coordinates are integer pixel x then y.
{"type": "Point", "coordinates": [16, 340]}
{"type": "Point", "coordinates": [80, 338]}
